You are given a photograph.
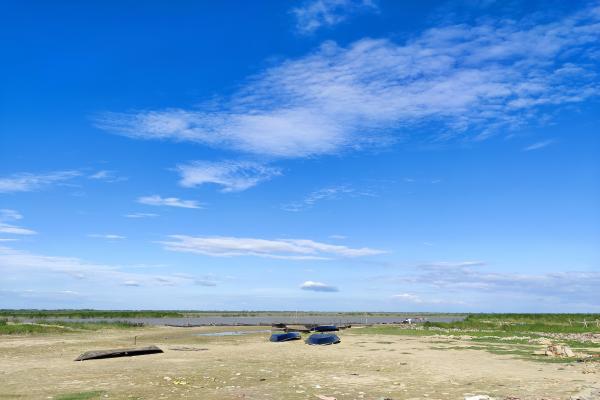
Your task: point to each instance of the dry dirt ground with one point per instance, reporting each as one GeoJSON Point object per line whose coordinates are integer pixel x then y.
{"type": "Point", "coordinates": [250, 367]}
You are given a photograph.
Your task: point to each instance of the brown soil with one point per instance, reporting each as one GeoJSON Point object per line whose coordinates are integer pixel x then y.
{"type": "Point", "coordinates": [250, 367]}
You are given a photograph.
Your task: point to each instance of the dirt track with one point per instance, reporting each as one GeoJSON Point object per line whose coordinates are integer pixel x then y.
{"type": "Point", "coordinates": [250, 367]}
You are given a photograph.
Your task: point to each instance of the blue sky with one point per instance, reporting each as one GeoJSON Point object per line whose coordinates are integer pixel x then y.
{"type": "Point", "coordinates": [316, 155]}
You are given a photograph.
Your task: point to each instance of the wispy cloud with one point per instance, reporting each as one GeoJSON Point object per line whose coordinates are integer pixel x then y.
{"type": "Point", "coordinates": [233, 176]}
{"type": "Point", "coordinates": [107, 176]}
{"type": "Point", "coordinates": [315, 14]}
{"type": "Point", "coordinates": [413, 298]}
{"type": "Point", "coordinates": [141, 215]}
{"type": "Point", "coordinates": [328, 193]}
{"type": "Point", "coordinates": [28, 182]}
{"type": "Point", "coordinates": [290, 249]}
{"type": "Point", "coordinates": [539, 145]}
{"type": "Point", "coordinates": [156, 200]}
{"type": "Point", "coordinates": [451, 264]}
{"type": "Point", "coordinates": [469, 81]}
{"type": "Point", "coordinates": [108, 236]}
{"type": "Point", "coordinates": [424, 300]}
{"type": "Point", "coordinates": [12, 215]}
{"type": "Point", "coordinates": [318, 287]}
{"type": "Point", "coordinates": [14, 262]}
{"type": "Point", "coordinates": [15, 230]}
{"type": "Point", "coordinates": [468, 276]}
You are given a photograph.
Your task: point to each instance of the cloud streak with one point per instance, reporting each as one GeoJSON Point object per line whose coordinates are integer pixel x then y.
{"type": "Point", "coordinates": [232, 176]}
{"type": "Point", "coordinates": [28, 182]}
{"type": "Point", "coordinates": [538, 145]}
{"type": "Point", "coordinates": [156, 200]}
{"type": "Point", "coordinates": [108, 236]}
{"type": "Point", "coordinates": [469, 82]}
{"type": "Point", "coordinates": [289, 249]}
{"type": "Point", "coordinates": [12, 215]}
{"type": "Point", "coordinates": [328, 193]}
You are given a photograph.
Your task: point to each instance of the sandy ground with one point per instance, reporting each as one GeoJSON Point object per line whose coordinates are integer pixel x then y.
{"type": "Point", "coordinates": [250, 367]}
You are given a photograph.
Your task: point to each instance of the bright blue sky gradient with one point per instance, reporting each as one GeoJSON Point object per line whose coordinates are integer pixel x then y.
{"type": "Point", "coordinates": [318, 155]}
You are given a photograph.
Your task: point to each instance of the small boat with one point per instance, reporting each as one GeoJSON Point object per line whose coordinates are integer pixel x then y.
{"type": "Point", "coordinates": [285, 337]}
{"type": "Point", "coordinates": [323, 339]}
{"type": "Point", "coordinates": [325, 328]}
{"type": "Point", "coordinates": [99, 354]}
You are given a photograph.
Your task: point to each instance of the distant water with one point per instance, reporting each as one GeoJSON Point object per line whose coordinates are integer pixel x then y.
{"type": "Point", "coordinates": [267, 320]}
{"type": "Point", "coordinates": [231, 333]}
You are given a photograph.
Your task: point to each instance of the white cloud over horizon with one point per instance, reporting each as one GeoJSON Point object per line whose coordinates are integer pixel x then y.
{"type": "Point", "coordinates": [464, 278]}
{"type": "Point", "coordinates": [288, 249]}
{"type": "Point", "coordinates": [313, 15]}
{"type": "Point", "coordinates": [318, 287]}
{"type": "Point", "coordinates": [16, 262]}
{"type": "Point", "coordinates": [471, 81]}
{"type": "Point", "coordinates": [233, 176]}
{"type": "Point", "coordinates": [156, 200]}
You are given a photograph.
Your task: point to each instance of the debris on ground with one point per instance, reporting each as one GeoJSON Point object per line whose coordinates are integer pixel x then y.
{"type": "Point", "coordinates": [479, 397]}
{"type": "Point", "coordinates": [588, 393]}
{"type": "Point", "coordinates": [555, 350]}
{"type": "Point", "coordinates": [184, 348]}
{"type": "Point", "coordinates": [323, 397]}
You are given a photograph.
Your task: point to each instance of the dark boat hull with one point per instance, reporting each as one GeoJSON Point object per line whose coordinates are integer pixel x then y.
{"type": "Point", "coordinates": [99, 354]}
{"type": "Point", "coordinates": [323, 339]}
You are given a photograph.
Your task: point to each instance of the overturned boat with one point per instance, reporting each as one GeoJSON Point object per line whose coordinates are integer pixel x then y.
{"type": "Point", "coordinates": [285, 337]}
{"type": "Point", "coordinates": [98, 354]}
{"type": "Point", "coordinates": [323, 339]}
{"type": "Point", "coordinates": [325, 328]}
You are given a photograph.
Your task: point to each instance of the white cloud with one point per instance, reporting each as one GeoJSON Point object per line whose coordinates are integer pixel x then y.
{"type": "Point", "coordinates": [156, 200]}
{"type": "Point", "coordinates": [27, 182]}
{"type": "Point", "coordinates": [132, 283]}
{"type": "Point", "coordinates": [233, 176]}
{"type": "Point", "coordinates": [14, 262]}
{"type": "Point", "coordinates": [538, 145]}
{"type": "Point", "coordinates": [107, 176]}
{"type": "Point", "coordinates": [452, 264]}
{"type": "Point", "coordinates": [11, 215]}
{"type": "Point", "coordinates": [337, 237]}
{"type": "Point", "coordinates": [107, 236]}
{"type": "Point", "coordinates": [318, 287]}
{"type": "Point", "coordinates": [328, 193]}
{"type": "Point", "coordinates": [315, 14]}
{"type": "Point", "coordinates": [464, 277]}
{"type": "Point", "coordinates": [15, 230]}
{"type": "Point", "coordinates": [291, 249]}
{"type": "Point", "coordinates": [468, 81]}
{"type": "Point", "coordinates": [412, 298]}
{"type": "Point", "coordinates": [8, 214]}
{"type": "Point", "coordinates": [141, 215]}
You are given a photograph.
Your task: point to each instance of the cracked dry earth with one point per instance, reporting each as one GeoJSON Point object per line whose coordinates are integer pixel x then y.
{"type": "Point", "coordinates": [250, 367]}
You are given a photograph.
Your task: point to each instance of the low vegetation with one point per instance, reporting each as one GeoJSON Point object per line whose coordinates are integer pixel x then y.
{"type": "Point", "coordinates": [84, 314]}
{"type": "Point", "coordinates": [525, 323]}
{"type": "Point", "coordinates": [45, 327]}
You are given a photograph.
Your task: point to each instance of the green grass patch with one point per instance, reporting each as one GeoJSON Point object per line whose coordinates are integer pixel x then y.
{"type": "Point", "coordinates": [81, 395]}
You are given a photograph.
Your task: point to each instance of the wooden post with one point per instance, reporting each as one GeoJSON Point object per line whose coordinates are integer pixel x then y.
{"type": "Point", "coordinates": [135, 340]}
